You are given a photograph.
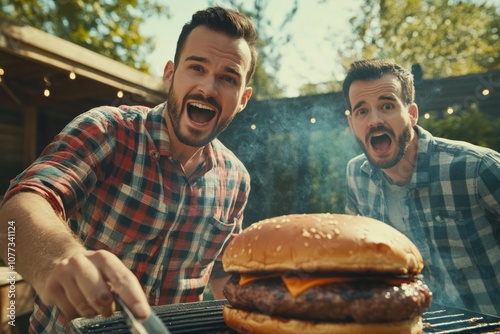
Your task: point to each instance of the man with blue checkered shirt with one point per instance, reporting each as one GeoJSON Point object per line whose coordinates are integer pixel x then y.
{"type": "Point", "coordinates": [443, 194]}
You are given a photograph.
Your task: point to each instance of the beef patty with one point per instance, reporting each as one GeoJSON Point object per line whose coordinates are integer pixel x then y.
{"type": "Point", "coordinates": [358, 301]}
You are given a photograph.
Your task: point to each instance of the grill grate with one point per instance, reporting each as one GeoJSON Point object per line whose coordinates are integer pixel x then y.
{"type": "Point", "coordinates": [206, 318]}
{"type": "Point", "coordinates": [194, 318]}
{"type": "Point", "coordinates": [444, 320]}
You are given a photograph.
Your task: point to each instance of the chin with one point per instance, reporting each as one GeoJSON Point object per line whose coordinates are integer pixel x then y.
{"type": "Point", "coordinates": [382, 163]}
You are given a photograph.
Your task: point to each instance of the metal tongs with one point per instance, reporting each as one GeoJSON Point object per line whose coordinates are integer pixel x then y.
{"type": "Point", "coordinates": [152, 325]}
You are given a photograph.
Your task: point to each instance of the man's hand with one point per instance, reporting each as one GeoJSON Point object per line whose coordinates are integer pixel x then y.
{"type": "Point", "coordinates": [63, 273]}
{"type": "Point", "coordinates": [82, 286]}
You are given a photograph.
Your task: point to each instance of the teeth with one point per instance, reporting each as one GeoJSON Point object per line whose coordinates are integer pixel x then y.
{"type": "Point", "coordinates": [376, 135]}
{"type": "Point", "coordinates": [202, 106]}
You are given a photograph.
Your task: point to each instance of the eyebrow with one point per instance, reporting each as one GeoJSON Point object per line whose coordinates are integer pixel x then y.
{"type": "Point", "coordinates": [359, 104]}
{"type": "Point", "coordinates": [387, 97]}
{"type": "Point", "coordinates": [380, 98]}
{"type": "Point", "coordinates": [204, 60]}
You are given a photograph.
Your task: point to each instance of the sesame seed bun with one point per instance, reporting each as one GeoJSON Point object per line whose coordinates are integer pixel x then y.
{"type": "Point", "coordinates": [322, 243]}
{"type": "Point", "coordinates": [258, 323]}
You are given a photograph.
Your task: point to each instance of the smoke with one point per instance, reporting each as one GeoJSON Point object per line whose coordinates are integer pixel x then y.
{"type": "Point", "coordinates": [296, 151]}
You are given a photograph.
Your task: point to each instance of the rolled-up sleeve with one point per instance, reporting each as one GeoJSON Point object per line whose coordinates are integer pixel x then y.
{"type": "Point", "coordinates": [69, 167]}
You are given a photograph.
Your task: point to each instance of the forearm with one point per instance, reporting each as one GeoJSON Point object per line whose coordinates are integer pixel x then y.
{"type": "Point", "coordinates": [42, 238]}
{"type": "Point", "coordinates": [63, 273]}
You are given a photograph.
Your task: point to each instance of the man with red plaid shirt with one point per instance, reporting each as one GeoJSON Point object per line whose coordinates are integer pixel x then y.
{"type": "Point", "coordinates": [136, 201]}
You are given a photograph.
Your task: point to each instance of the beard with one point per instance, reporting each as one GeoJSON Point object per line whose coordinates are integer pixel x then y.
{"type": "Point", "coordinates": [194, 137]}
{"type": "Point", "coordinates": [402, 141]}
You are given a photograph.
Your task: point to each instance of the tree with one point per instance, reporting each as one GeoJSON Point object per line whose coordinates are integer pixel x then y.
{"type": "Point", "coordinates": [320, 88]}
{"type": "Point", "coordinates": [471, 126]}
{"type": "Point", "coordinates": [110, 28]}
{"type": "Point", "coordinates": [446, 37]}
{"type": "Point", "coordinates": [271, 38]}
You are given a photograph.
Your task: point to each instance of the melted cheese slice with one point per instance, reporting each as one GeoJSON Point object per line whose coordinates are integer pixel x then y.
{"type": "Point", "coordinates": [296, 285]}
{"type": "Point", "coordinates": [245, 279]}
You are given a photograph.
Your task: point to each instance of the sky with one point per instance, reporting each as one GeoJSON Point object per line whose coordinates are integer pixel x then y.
{"type": "Point", "coordinates": [309, 58]}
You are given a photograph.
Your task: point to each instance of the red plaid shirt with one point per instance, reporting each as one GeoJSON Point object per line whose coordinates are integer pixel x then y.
{"type": "Point", "coordinates": [110, 174]}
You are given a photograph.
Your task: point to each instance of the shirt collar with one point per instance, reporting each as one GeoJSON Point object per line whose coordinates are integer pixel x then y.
{"type": "Point", "coordinates": [421, 172]}
{"type": "Point", "coordinates": [158, 129]}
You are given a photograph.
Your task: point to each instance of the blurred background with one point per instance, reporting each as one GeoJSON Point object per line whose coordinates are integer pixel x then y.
{"type": "Point", "coordinates": [60, 58]}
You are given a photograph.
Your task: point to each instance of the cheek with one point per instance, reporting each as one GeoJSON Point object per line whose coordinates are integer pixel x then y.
{"type": "Point", "coordinates": [356, 128]}
{"type": "Point", "coordinates": [183, 82]}
{"type": "Point", "coordinates": [230, 103]}
{"type": "Point", "coordinates": [401, 124]}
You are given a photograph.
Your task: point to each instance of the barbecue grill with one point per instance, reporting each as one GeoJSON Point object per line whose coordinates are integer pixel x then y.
{"type": "Point", "coordinates": [206, 318]}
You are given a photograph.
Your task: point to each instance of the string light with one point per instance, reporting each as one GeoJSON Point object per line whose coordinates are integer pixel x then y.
{"type": "Point", "coordinates": [253, 126]}
{"type": "Point", "coordinates": [120, 94]}
{"type": "Point", "coordinates": [46, 91]}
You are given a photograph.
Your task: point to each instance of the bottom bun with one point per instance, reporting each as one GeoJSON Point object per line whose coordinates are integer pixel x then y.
{"type": "Point", "coordinates": [258, 323]}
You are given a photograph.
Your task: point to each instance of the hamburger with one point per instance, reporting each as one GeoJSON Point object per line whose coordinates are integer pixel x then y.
{"type": "Point", "coordinates": [324, 273]}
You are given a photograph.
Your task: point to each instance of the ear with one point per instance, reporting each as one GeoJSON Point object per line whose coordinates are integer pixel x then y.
{"type": "Point", "coordinates": [168, 74]}
{"type": "Point", "coordinates": [413, 111]}
{"type": "Point", "coordinates": [349, 120]}
{"type": "Point", "coordinates": [244, 98]}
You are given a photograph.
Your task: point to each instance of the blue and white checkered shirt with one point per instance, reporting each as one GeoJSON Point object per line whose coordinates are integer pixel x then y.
{"type": "Point", "coordinates": [454, 217]}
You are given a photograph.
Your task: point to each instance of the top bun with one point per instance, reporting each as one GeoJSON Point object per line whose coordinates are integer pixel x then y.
{"type": "Point", "coordinates": [322, 243]}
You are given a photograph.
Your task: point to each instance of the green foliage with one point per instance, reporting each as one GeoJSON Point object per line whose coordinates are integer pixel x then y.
{"type": "Point", "coordinates": [447, 38]}
{"type": "Point", "coordinates": [306, 171]}
{"type": "Point", "coordinates": [207, 293]}
{"type": "Point", "coordinates": [330, 153]}
{"type": "Point", "coordinates": [283, 163]}
{"type": "Point", "coordinates": [110, 27]}
{"type": "Point", "coordinates": [320, 88]}
{"type": "Point", "coordinates": [471, 126]}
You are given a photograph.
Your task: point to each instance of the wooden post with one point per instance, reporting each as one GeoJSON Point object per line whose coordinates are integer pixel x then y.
{"type": "Point", "coordinates": [30, 135]}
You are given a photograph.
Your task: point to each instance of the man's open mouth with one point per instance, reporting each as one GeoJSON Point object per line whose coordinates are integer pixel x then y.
{"type": "Point", "coordinates": [381, 143]}
{"type": "Point", "coordinates": [200, 113]}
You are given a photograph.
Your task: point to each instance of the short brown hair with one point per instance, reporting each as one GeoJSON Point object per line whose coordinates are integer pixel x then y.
{"type": "Point", "coordinates": [374, 69]}
{"type": "Point", "coordinates": [227, 21]}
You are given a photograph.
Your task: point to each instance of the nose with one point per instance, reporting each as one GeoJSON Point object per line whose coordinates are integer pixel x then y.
{"type": "Point", "coordinates": [375, 118]}
{"type": "Point", "coordinates": [208, 86]}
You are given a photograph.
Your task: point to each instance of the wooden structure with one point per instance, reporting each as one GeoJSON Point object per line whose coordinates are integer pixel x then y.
{"type": "Point", "coordinates": [46, 81]}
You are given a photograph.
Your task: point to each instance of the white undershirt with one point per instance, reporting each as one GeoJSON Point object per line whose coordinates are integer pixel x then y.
{"type": "Point", "coordinates": [395, 203]}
